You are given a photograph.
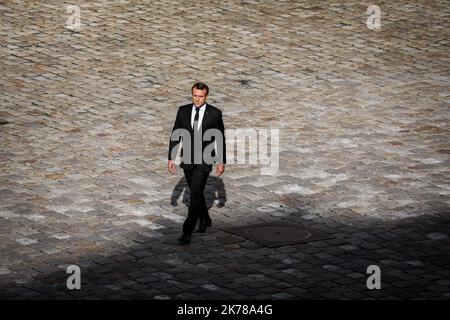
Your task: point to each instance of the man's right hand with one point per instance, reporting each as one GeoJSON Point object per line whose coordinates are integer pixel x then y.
{"type": "Point", "coordinates": [171, 166]}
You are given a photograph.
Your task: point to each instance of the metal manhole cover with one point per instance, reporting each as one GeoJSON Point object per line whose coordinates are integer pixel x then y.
{"type": "Point", "coordinates": [279, 233]}
{"type": "Point", "coordinates": [275, 234]}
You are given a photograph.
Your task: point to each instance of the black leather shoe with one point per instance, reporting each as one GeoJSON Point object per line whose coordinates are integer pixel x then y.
{"type": "Point", "coordinates": [184, 239]}
{"type": "Point", "coordinates": [202, 226]}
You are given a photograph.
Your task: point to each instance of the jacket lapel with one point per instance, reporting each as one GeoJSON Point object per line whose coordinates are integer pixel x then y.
{"type": "Point", "coordinates": [187, 119]}
{"type": "Point", "coordinates": [205, 115]}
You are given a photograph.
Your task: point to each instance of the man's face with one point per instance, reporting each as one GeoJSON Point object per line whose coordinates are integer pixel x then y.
{"type": "Point", "coordinates": [199, 97]}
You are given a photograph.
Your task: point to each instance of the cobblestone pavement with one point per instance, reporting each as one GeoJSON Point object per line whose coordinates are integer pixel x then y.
{"type": "Point", "coordinates": [363, 120]}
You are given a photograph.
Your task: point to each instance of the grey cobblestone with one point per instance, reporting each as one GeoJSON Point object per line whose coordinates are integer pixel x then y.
{"type": "Point", "coordinates": [363, 120]}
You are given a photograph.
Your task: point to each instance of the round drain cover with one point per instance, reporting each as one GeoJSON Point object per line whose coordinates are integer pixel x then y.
{"type": "Point", "coordinates": [278, 233]}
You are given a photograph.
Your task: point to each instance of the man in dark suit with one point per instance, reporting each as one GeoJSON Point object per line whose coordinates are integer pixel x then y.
{"type": "Point", "coordinates": [199, 126]}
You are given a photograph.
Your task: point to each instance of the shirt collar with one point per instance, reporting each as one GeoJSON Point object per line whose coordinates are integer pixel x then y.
{"type": "Point", "coordinates": [203, 107]}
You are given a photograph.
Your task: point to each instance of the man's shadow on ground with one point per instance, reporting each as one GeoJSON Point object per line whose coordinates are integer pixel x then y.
{"type": "Point", "coordinates": [214, 192]}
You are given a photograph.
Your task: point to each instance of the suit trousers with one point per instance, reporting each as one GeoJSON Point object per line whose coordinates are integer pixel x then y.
{"type": "Point", "coordinates": [196, 178]}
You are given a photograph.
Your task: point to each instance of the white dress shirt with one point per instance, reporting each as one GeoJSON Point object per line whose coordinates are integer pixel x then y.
{"type": "Point", "coordinates": [200, 115]}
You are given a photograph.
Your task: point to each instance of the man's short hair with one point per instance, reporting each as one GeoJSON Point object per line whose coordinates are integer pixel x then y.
{"type": "Point", "coordinates": [200, 86]}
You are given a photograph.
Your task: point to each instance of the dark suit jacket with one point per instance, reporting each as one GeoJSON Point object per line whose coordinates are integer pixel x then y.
{"type": "Point", "coordinates": [212, 119]}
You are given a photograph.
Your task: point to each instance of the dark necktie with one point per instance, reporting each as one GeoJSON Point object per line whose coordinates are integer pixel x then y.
{"type": "Point", "coordinates": [196, 118]}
